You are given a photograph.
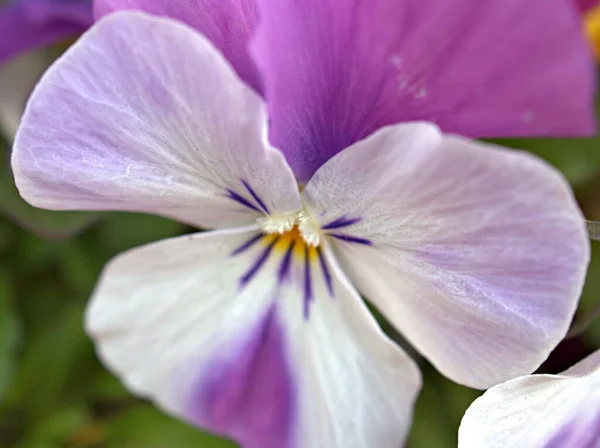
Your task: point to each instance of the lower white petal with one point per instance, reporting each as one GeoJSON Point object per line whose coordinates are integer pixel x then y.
{"type": "Point", "coordinates": [358, 387]}
{"type": "Point", "coordinates": [258, 338]}
{"type": "Point", "coordinates": [538, 411]}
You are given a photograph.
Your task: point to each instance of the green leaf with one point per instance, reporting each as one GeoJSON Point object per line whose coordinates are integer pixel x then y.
{"type": "Point", "coordinates": [59, 426]}
{"type": "Point", "coordinates": [109, 388]}
{"type": "Point", "coordinates": [34, 254]}
{"type": "Point", "coordinates": [440, 408]}
{"type": "Point", "coordinates": [122, 231]}
{"type": "Point", "coordinates": [590, 298]}
{"type": "Point", "coordinates": [81, 266]}
{"type": "Point", "coordinates": [144, 426]}
{"type": "Point", "coordinates": [9, 333]}
{"type": "Point", "coordinates": [430, 428]}
{"type": "Point", "coordinates": [50, 365]}
{"type": "Point", "coordinates": [578, 159]}
{"type": "Point", "coordinates": [44, 223]}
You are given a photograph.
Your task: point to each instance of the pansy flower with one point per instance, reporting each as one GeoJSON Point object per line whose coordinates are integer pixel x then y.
{"type": "Point", "coordinates": [538, 411]}
{"type": "Point", "coordinates": [256, 330]}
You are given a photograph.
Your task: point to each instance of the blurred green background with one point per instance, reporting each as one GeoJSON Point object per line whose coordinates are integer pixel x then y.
{"type": "Point", "coordinates": [54, 392]}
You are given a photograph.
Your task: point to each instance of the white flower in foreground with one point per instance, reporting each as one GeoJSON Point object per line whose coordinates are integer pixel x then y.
{"type": "Point", "coordinates": [257, 330]}
{"type": "Point", "coordinates": [538, 411]}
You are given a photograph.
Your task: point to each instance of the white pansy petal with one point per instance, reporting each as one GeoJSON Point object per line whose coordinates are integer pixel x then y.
{"type": "Point", "coordinates": [144, 114]}
{"type": "Point", "coordinates": [538, 411]}
{"type": "Point", "coordinates": [258, 338]}
{"type": "Point", "coordinates": [476, 253]}
{"type": "Point", "coordinates": [359, 386]}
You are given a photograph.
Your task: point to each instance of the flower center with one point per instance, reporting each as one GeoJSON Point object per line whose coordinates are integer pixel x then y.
{"type": "Point", "coordinates": [297, 225]}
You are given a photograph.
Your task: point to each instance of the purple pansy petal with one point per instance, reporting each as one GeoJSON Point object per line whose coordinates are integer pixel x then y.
{"type": "Point", "coordinates": [538, 411]}
{"type": "Point", "coordinates": [477, 254]}
{"type": "Point", "coordinates": [228, 24]}
{"type": "Point", "coordinates": [177, 322]}
{"type": "Point", "coordinates": [334, 71]}
{"type": "Point", "coordinates": [28, 24]}
{"type": "Point", "coordinates": [144, 114]}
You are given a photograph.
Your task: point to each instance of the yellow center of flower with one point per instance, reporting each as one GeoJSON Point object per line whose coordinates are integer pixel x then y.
{"type": "Point", "coordinates": [291, 227]}
{"type": "Point", "coordinates": [592, 27]}
{"type": "Point", "coordinates": [295, 240]}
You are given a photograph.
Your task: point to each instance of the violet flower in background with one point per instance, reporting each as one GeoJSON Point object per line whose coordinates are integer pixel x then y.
{"type": "Point", "coordinates": [538, 411]}
{"type": "Point", "coordinates": [29, 24]}
{"type": "Point", "coordinates": [26, 27]}
{"type": "Point", "coordinates": [256, 330]}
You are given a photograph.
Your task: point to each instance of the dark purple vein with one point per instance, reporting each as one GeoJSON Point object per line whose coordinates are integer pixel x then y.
{"type": "Point", "coordinates": [308, 292]}
{"type": "Point", "coordinates": [284, 268]}
{"type": "Point", "coordinates": [256, 197]}
{"type": "Point", "coordinates": [257, 264]}
{"type": "Point", "coordinates": [351, 239]}
{"type": "Point", "coordinates": [326, 273]}
{"type": "Point", "coordinates": [240, 200]}
{"type": "Point", "coordinates": [248, 244]}
{"type": "Point", "coordinates": [341, 222]}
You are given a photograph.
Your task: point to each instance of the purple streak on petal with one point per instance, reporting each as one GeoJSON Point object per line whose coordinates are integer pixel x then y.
{"type": "Point", "coordinates": [326, 273]}
{"type": "Point", "coordinates": [284, 268]}
{"type": "Point", "coordinates": [308, 290]}
{"type": "Point", "coordinates": [581, 432]}
{"type": "Point", "coordinates": [241, 200]}
{"type": "Point", "coordinates": [334, 71]}
{"type": "Point", "coordinates": [228, 24]}
{"type": "Point", "coordinates": [340, 222]}
{"type": "Point", "coordinates": [28, 25]}
{"type": "Point", "coordinates": [251, 396]}
{"type": "Point", "coordinates": [249, 275]}
{"type": "Point", "coordinates": [248, 244]}
{"type": "Point", "coordinates": [351, 239]}
{"type": "Point", "coordinates": [256, 197]}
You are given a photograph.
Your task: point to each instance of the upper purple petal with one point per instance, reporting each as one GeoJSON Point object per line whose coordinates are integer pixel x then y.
{"type": "Point", "coordinates": [28, 24]}
{"type": "Point", "coordinates": [227, 23]}
{"type": "Point", "coordinates": [334, 71]}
